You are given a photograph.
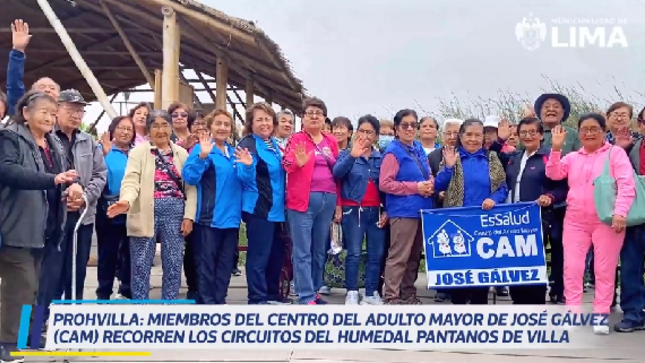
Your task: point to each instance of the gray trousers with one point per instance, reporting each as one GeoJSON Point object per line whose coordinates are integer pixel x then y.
{"type": "Point", "coordinates": [19, 270]}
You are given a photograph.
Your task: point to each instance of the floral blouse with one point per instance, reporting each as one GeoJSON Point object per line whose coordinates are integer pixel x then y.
{"type": "Point", "coordinates": [167, 177]}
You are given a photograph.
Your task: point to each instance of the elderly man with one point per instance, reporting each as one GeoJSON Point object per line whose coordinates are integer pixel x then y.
{"type": "Point", "coordinates": [86, 158]}
{"type": "Point", "coordinates": [553, 109]}
{"type": "Point", "coordinates": [16, 69]}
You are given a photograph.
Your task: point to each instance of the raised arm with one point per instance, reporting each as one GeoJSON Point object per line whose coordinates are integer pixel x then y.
{"type": "Point", "coordinates": [194, 167]}
{"type": "Point", "coordinates": [557, 168]}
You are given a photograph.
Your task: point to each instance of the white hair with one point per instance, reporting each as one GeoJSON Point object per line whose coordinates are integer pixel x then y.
{"type": "Point", "coordinates": [451, 121]}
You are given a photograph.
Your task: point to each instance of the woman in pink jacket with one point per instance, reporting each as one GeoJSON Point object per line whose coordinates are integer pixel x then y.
{"type": "Point", "coordinates": [582, 227]}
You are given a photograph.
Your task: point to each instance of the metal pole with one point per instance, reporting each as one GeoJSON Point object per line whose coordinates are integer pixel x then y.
{"type": "Point", "coordinates": [77, 58]}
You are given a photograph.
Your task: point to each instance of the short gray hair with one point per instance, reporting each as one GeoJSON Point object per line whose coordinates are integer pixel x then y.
{"type": "Point", "coordinates": [451, 121]}
{"type": "Point", "coordinates": [284, 113]}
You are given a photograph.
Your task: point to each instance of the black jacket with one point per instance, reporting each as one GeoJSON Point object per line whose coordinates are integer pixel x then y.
{"type": "Point", "coordinates": [23, 184]}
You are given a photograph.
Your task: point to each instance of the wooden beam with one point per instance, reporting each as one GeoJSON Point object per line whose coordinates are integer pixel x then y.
{"type": "Point", "coordinates": [94, 52]}
{"type": "Point", "coordinates": [98, 44]}
{"type": "Point", "coordinates": [207, 87]}
{"type": "Point", "coordinates": [221, 77]}
{"type": "Point", "coordinates": [93, 125]}
{"type": "Point", "coordinates": [249, 90]}
{"type": "Point", "coordinates": [128, 45]}
{"type": "Point", "coordinates": [77, 58]}
{"type": "Point", "coordinates": [280, 65]}
{"type": "Point", "coordinates": [69, 30]}
{"type": "Point", "coordinates": [170, 79]}
{"type": "Point", "coordinates": [158, 88]}
{"type": "Point", "coordinates": [235, 33]}
{"type": "Point", "coordinates": [183, 78]}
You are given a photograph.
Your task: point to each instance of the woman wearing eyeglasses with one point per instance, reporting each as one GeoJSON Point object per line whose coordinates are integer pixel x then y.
{"type": "Point", "coordinates": [527, 182]}
{"type": "Point", "coordinates": [582, 227]}
{"type": "Point", "coordinates": [180, 122]}
{"type": "Point", "coordinates": [111, 234]}
{"type": "Point", "coordinates": [309, 159]}
{"type": "Point", "coordinates": [406, 180]}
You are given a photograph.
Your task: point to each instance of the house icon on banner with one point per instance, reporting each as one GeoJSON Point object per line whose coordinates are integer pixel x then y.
{"type": "Point", "coordinates": [450, 240]}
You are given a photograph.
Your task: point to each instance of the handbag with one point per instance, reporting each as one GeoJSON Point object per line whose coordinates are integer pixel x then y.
{"type": "Point", "coordinates": [605, 191]}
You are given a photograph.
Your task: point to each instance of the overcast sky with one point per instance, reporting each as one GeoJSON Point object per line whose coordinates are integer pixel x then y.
{"type": "Point", "coordinates": [378, 56]}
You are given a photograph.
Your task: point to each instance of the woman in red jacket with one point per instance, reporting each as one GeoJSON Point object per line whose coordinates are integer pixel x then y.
{"type": "Point", "coordinates": [311, 197]}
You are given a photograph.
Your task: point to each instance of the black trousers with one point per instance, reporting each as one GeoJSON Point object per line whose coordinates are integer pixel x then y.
{"type": "Point", "coordinates": [472, 295]}
{"type": "Point", "coordinates": [190, 267]}
{"type": "Point", "coordinates": [114, 258]}
{"type": "Point", "coordinates": [214, 250]}
{"type": "Point", "coordinates": [528, 294]}
{"type": "Point", "coordinates": [552, 229]}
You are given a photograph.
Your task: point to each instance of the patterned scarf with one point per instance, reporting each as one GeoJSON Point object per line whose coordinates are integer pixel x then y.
{"type": "Point", "coordinates": [455, 192]}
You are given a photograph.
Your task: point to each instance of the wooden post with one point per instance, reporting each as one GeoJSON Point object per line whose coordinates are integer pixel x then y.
{"type": "Point", "coordinates": [77, 58]}
{"type": "Point", "coordinates": [158, 88]}
{"type": "Point", "coordinates": [221, 81]}
{"type": "Point", "coordinates": [269, 99]}
{"type": "Point", "coordinates": [170, 76]}
{"type": "Point", "coordinates": [250, 91]}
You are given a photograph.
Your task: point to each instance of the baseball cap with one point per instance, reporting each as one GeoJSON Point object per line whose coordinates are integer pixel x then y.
{"type": "Point", "coordinates": [492, 121]}
{"type": "Point", "coordinates": [71, 96]}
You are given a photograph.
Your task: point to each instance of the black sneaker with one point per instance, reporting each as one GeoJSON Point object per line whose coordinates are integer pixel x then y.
{"type": "Point", "coordinates": [319, 300]}
{"type": "Point", "coordinates": [5, 354]}
{"type": "Point", "coordinates": [557, 299]}
{"type": "Point", "coordinates": [502, 291]}
{"type": "Point", "coordinates": [236, 272]}
{"type": "Point", "coordinates": [441, 297]}
{"type": "Point", "coordinates": [628, 326]}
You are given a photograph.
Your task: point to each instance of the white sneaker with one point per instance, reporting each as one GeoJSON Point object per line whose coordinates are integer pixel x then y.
{"type": "Point", "coordinates": [292, 289]}
{"type": "Point", "coordinates": [372, 300]}
{"type": "Point", "coordinates": [325, 290]}
{"type": "Point", "coordinates": [601, 329]}
{"type": "Point", "coordinates": [120, 297]}
{"type": "Point", "coordinates": [351, 298]}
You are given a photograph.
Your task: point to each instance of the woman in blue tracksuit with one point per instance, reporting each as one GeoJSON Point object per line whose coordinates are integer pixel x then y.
{"type": "Point", "coordinates": [527, 182]}
{"type": "Point", "coordinates": [358, 171]}
{"type": "Point", "coordinates": [111, 233]}
{"type": "Point", "coordinates": [214, 166]}
{"type": "Point", "coordinates": [263, 206]}
{"type": "Point", "coordinates": [471, 176]}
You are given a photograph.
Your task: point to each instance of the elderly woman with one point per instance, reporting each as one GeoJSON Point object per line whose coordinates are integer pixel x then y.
{"type": "Point", "coordinates": [358, 172]}
{"type": "Point", "coordinates": [111, 234]}
{"type": "Point", "coordinates": [180, 125]}
{"type": "Point", "coordinates": [138, 115]}
{"type": "Point", "coordinates": [309, 159]}
{"type": "Point", "coordinates": [406, 179]}
{"type": "Point", "coordinates": [483, 173]}
{"type": "Point", "coordinates": [527, 182]}
{"type": "Point", "coordinates": [582, 227]}
{"type": "Point", "coordinates": [34, 179]}
{"type": "Point", "coordinates": [158, 204]}
{"type": "Point", "coordinates": [428, 129]}
{"type": "Point", "coordinates": [386, 134]}
{"type": "Point", "coordinates": [216, 169]}
{"type": "Point", "coordinates": [263, 206]}
{"type": "Point", "coordinates": [450, 137]}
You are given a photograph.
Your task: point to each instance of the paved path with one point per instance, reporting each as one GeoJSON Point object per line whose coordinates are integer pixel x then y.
{"type": "Point", "coordinates": [624, 348]}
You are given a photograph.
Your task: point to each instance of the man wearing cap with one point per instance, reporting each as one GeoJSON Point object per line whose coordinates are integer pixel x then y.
{"type": "Point", "coordinates": [84, 156]}
{"type": "Point", "coordinates": [553, 109]}
{"type": "Point", "coordinates": [491, 125]}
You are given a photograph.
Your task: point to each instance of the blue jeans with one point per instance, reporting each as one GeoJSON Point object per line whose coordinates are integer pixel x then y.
{"type": "Point", "coordinates": [632, 289]}
{"type": "Point", "coordinates": [357, 223]}
{"type": "Point", "coordinates": [310, 237]}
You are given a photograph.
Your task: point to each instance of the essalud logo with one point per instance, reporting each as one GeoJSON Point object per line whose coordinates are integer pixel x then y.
{"type": "Point", "coordinates": [530, 32]}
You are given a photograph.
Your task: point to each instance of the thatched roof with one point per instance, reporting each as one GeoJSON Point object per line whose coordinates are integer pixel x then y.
{"type": "Point", "coordinates": [206, 34]}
